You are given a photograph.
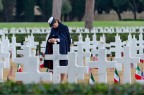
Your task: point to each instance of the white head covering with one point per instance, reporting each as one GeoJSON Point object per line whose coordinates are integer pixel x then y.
{"type": "Point", "coordinates": [51, 21]}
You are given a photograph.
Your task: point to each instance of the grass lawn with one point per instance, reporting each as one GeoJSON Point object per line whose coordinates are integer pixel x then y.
{"type": "Point", "coordinates": [73, 24]}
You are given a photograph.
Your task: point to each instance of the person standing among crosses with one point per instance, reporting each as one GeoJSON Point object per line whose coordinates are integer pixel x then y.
{"type": "Point", "coordinates": [59, 34]}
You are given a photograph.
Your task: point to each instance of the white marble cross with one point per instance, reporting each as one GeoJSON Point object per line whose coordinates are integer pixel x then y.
{"type": "Point", "coordinates": [43, 46]}
{"type": "Point", "coordinates": [118, 47]}
{"type": "Point", "coordinates": [4, 56]}
{"type": "Point", "coordinates": [6, 48]}
{"type": "Point", "coordinates": [81, 55]}
{"type": "Point", "coordinates": [102, 64]}
{"type": "Point", "coordinates": [1, 71]}
{"type": "Point", "coordinates": [94, 39]}
{"type": "Point", "coordinates": [72, 70]}
{"type": "Point", "coordinates": [118, 50]}
{"type": "Point", "coordinates": [126, 60]}
{"type": "Point", "coordinates": [134, 47]}
{"type": "Point", "coordinates": [141, 43]}
{"type": "Point", "coordinates": [26, 53]}
{"type": "Point", "coordinates": [13, 47]}
{"type": "Point", "coordinates": [87, 47]}
{"type": "Point", "coordinates": [129, 38]}
{"type": "Point", "coordinates": [32, 42]}
{"type": "Point", "coordinates": [56, 57]}
{"type": "Point", "coordinates": [80, 39]}
{"type": "Point", "coordinates": [33, 75]}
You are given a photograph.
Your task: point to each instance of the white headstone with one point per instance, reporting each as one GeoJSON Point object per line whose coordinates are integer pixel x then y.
{"type": "Point", "coordinates": [102, 64]}
{"type": "Point", "coordinates": [126, 60]}
{"type": "Point", "coordinates": [94, 40]}
{"type": "Point", "coordinates": [32, 42]}
{"type": "Point", "coordinates": [80, 39]}
{"type": "Point", "coordinates": [141, 42]}
{"type": "Point", "coordinates": [87, 47]}
{"type": "Point", "coordinates": [26, 53]}
{"type": "Point", "coordinates": [4, 56]}
{"type": "Point", "coordinates": [81, 55]}
{"type": "Point", "coordinates": [43, 46]}
{"type": "Point", "coordinates": [33, 75]}
{"type": "Point", "coordinates": [13, 47]}
{"type": "Point", "coordinates": [117, 48]}
{"type": "Point", "coordinates": [56, 57]}
{"type": "Point", "coordinates": [6, 48]}
{"type": "Point", "coordinates": [72, 70]}
{"type": "Point", "coordinates": [1, 71]}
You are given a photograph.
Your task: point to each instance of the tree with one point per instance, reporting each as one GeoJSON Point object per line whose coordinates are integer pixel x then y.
{"type": "Point", "coordinates": [8, 6]}
{"type": "Point", "coordinates": [66, 8]}
{"type": "Point", "coordinates": [29, 10]}
{"type": "Point", "coordinates": [103, 5]}
{"type": "Point", "coordinates": [134, 4]}
{"type": "Point", "coordinates": [19, 10]}
{"type": "Point", "coordinates": [141, 6]}
{"type": "Point", "coordinates": [78, 9]}
{"type": "Point", "coordinates": [89, 14]}
{"type": "Point", "coordinates": [56, 10]}
{"type": "Point", "coordinates": [119, 6]}
{"type": "Point", "coordinates": [1, 6]}
{"type": "Point", "coordinates": [46, 8]}
{"type": "Point", "coordinates": [25, 9]}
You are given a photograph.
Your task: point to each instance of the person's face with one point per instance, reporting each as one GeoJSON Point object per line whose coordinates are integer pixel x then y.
{"type": "Point", "coordinates": [55, 25]}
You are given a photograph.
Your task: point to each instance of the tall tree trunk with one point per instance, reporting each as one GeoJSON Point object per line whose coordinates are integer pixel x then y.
{"type": "Point", "coordinates": [134, 12]}
{"type": "Point", "coordinates": [134, 7]}
{"type": "Point", "coordinates": [89, 14]}
{"type": "Point", "coordinates": [119, 15]}
{"type": "Point", "coordinates": [56, 11]}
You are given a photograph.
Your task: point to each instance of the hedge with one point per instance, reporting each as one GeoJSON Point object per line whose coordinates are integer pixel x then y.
{"type": "Point", "coordinates": [11, 88]}
{"type": "Point", "coordinates": [110, 37]}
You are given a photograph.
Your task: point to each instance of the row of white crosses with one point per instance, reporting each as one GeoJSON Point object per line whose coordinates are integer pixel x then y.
{"type": "Point", "coordinates": [126, 60]}
{"type": "Point", "coordinates": [114, 46]}
{"type": "Point", "coordinates": [31, 64]}
{"type": "Point", "coordinates": [118, 55]}
{"type": "Point", "coordinates": [66, 58]}
{"type": "Point", "coordinates": [118, 47]}
{"type": "Point", "coordinates": [44, 30]}
{"type": "Point", "coordinates": [73, 69]}
{"type": "Point", "coordinates": [28, 30]}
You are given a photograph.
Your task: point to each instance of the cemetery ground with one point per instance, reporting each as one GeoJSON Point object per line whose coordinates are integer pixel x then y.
{"type": "Point", "coordinates": [110, 74]}
{"type": "Point", "coordinates": [73, 24]}
{"type": "Point", "coordinates": [109, 88]}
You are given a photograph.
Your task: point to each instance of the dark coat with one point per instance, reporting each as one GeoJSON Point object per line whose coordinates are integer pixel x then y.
{"type": "Point", "coordinates": [61, 32]}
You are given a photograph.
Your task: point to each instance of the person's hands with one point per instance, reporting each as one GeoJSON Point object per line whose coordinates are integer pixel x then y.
{"type": "Point", "coordinates": [49, 40]}
{"type": "Point", "coordinates": [52, 40]}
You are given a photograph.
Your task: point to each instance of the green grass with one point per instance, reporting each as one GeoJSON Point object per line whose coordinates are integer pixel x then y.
{"type": "Point", "coordinates": [74, 24]}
